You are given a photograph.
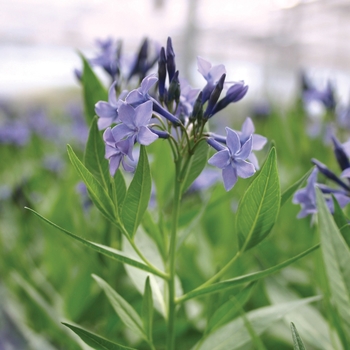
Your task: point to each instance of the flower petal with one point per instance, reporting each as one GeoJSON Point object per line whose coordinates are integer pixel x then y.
{"type": "Point", "coordinates": [114, 163]}
{"type": "Point", "coordinates": [220, 159]}
{"type": "Point", "coordinates": [232, 141]}
{"type": "Point", "coordinates": [246, 149]}
{"type": "Point", "coordinates": [122, 131]}
{"type": "Point", "coordinates": [259, 142]}
{"type": "Point", "coordinates": [247, 129]}
{"type": "Point", "coordinates": [146, 136]}
{"type": "Point", "coordinates": [143, 114]}
{"type": "Point", "coordinates": [105, 110]}
{"type": "Point", "coordinates": [254, 160]}
{"type": "Point", "coordinates": [244, 169]}
{"type": "Point", "coordinates": [229, 175]}
{"type": "Point", "coordinates": [203, 66]}
{"type": "Point", "coordinates": [127, 115]}
{"type": "Point", "coordinates": [112, 97]}
{"type": "Point", "coordinates": [148, 82]}
{"type": "Point", "coordinates": [216, 72]}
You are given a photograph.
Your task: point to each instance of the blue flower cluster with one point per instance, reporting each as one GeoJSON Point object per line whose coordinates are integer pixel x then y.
{"type": "Point", "coordinates": [164, 105]}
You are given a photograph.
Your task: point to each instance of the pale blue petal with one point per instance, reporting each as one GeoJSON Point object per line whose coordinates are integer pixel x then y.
{"type": "Point", "coordinates": [203, 67]}
{"type": "Point", "coordinates": [122, 131]}
{"type": "Point", "coordinates": [229, 174]}
{"type": "Point", "coordinates": [114, 163]}
{"type": "Point", "coordinates": [104, 123]}
{"type": "Point", "coordinates": [247, 129]}
{"type": "Point", "coordinates": [246, 149]}
{"type": "Point", "coordinates": [220, 159]}
{"type": "Point", "coordinates": [216, 73]}
{"type": "Point", "coordinates": [244, 169]}
{"type": "Point", "coordinates": [342, 199]}
{"type": "Point", "coordinates": [135, 97]}
{"type": "Point", "coordinates": [127, 115]}
{"type": "Point", "coordinates": [110, 151]}
{"type": "Point", "coordinates": [108, 136]}
{"type": "Point", "coordinates": [259, 142]}
{"type": "Point", "coordinates": [147, 83]}
{"type": "Point", "coordinates": [143, 114]}
{"type": "Point", "coordinates": [232, 141]}
{"type": "Point", "coordinates": [105, 110]}
{"type": "Point", "coordinates": [146, 136]}
{"type": "Point", "coordinates": [127, 167]}
{"type": "Point", "coordinates": [112, 97]}
{"type": "Point", "coordinates": [254, 160]}
{"type": "Point", "coordinates": [345, 173]}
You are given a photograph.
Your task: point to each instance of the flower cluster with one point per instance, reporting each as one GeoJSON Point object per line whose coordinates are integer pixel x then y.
{"type": "Point", "coordinates": [164, 105]}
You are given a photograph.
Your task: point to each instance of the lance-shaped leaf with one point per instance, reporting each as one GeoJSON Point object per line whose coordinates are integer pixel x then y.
{"type": "Point", "coordinates": [291, 190]}
{"type": "Point", "coordinates": [94, 156]}
{"type": "Point", "coordinates": [95, 341]}
{"type": "Point", "coordinates": [147, 309]}
{"type": "Point", "coordinates": [125, 311]}
{"type": "Point", "coordinates": [119, 189]}
{"type": "Point", "coordinates": [257, 211]}
{"type": "Point", "coordinates": [93, 91]}
{"type": "Point", "coordinates": [336, 257]}
{"type": "Point", "coordinates": [297, 342]}
{"type": "Point", "coordinates": [234, 282]}
{"type": "Point", "coordinates": [108, 251]}
{"type": "Point", "coordinates": [197, 163]}
{"type": "Point", "coordinates": [235, 334]}
{"type": "Point", "coordinates": [97, 193]}
{"type": "Point", "coordinates": [138, 195]}
{"type": "Point", "coordinates": [341, 221]}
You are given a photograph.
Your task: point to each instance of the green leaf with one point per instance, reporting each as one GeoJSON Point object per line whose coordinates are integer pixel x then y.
{"type": "Point", "coordinates": [291, 190]}
{"type": "Point", "coordinates": [341, 221]}
{"type": "Point", "coordinates": [234, 282]}
{"type": "Point", "coordinates": [197, 163]}
{"type": "Point", "coordinates": [257, 211]}
{"type": "Point", "coordinates": [297, 342]}
{"type": "Point", "coordinates": [235, 334]}
{"type": "Point", "coordinates": [147, 309]}
{"type": "Point", "coordinates": [138, 195]}
{"type": "Point", "coordinates": [94, 156]}
{"type": "Point", "coordinates": [125, 311]}
{"type": "Point", "coordinates": [93, 91]}
{"type": "Point", "coordinates": [108, 251]}
{"type": "Point", "coordinates": [95, 340]}
{"type": "Point", "coordinates": [336, 257]}
{"type": "Point", "coordinates": [119, 188]}
{"type": "Point", "coordinates": [97, 193]}
{"type": "Point", "coordinates": [229, 310]}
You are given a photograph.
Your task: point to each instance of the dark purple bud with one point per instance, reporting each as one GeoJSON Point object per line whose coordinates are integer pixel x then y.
{"type": "Point", "coordinates": [234, 94]}
{"type": "Point", "coordinates": [170, 59]}
{"type": "Point", "coordinates": [197, 112]}
{"type": "Point", "coordinates": [326, 190]}
{"type": "Point", "coordinates": [214, 96]}
{"type": "Point", "coordinates": [216, 145]}
{"type": "Point", "coordinates": [163, 112]}
{"type": "Point", "coordinates": [161, 74]}
{"type": "Point", "coordinates": [161, 134]}
{"type": "Point", "coordinates": [218, 138]}
{"type": "Point", "coordinates": [140, 64]}
{"type": "Point", "coordinates": [340, 154]}
{"type": "Point", "coordinates": [328, 173]}
{"type": "Point", "coordinates": [174, 88]}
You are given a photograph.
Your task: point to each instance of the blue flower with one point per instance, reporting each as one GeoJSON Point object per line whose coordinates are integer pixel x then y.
{"type": "Point", "coordinates": [108, 111]}
{"type": "Point", "coordinates": [134, 124]}
{"type": "Point", "coordinates": [116, 152]}
{"type": "Point", "coordinates": [232, 159]}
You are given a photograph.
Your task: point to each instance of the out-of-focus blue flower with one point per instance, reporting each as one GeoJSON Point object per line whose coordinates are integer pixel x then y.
{"type": "Point", "coordinates": [232, 159]}
{"type": "Point", "coordinates": [14, 132]}
{"type": "Point", "coordinates": [134, 124]}
{"type": "Point", "coordinates": [116, 151]}
{"type": "Point", "coordinates": [211, 74]}
{"type": "Point", "coordinates": [187, 99]}
{"type": "Point", "coordinates": [108, 111]}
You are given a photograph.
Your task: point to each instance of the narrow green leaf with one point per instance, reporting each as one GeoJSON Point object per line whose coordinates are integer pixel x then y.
{"type": "Point", "coordinates": [93, 90]}
{"type": "Point", "coordinates": [97, 193]}
{"type": "Point", "coordinates": [257, 211]}
{"type": "Point", "coordinates": [234, 282]}
{"type": "Point", "coordinates": [153, 231]}
{"type": "Point", "coordinates": [108, 251]}
{"type": "Point", "coordinates": [229, 310]}
{"type": "Point", "coordinates": [197, 163]}
{"type": "Point", "coordinates": [341, 221]}
{"type": "Point", "coordinates": [336, 257]}
{"type": "Point", "coordinates": [138, 195]}
{"type": "Point", "coordinates": [291, 190]}
{"type": "Point", "coordinates": [125, 311]}
{"type": "Point", "coordinates": [297, 342]}
{"type": "Point", "coordinates": [147, 309]}
{"type": "Point", "coordinates": [94, 156]}
{"type": "Point", "coordinates": [95, 340]}
{"type": "Point", "coordinates": [119, 188]}
{"type": "Point", "coordinates": [235, 334]}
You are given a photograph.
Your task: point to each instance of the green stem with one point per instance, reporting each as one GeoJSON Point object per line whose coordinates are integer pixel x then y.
{"type": "Point", "coordinates": [171, 260]}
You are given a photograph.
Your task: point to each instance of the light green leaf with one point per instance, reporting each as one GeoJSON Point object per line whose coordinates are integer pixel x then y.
{"type": "Point", "coordinates": [234, 282]}
{"type": "Point", "coordinates": [341, 221]}
{"type": "Point", "coordinates": [257, 211]}
{"type": "Point", "coordinates": [108, 251]}
{"type": "Point", "coordinates": [235, 334]}
{"type": "Point", "coordinates": [93, 91]}
{"type": "Point", "coordinates": [97, 193]}
{"type": "Point", "coordinates": [125, 311]}
{"type": "Point", "coordinates": [119, 188]}
{"type": "Point", "coordinates": [94, 156]}
{"type": "Point", "coordinates": [138, 195]}
{"type": "Point", "coordinates": [147, 309]}
{"type": "Point", "coordinates": [229, 310]}
{"type": "Point", "coordinates": [298, 343]}
{"type": "Point", "coordinates": [336, 257]}
{"type": "Point", "coordinates": [197, 163]}
{"type": "Point", "coordinates": [291, 190]}
{"type": "Point", "coordinates": [95, 340]}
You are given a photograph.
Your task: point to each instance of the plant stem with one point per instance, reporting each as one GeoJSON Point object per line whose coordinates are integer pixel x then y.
{"type": "Point", "coordinates": [171, 260]}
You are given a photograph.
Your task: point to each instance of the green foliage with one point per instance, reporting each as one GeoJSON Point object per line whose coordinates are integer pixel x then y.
{"type": "Point", "coordinates": [298, 343]}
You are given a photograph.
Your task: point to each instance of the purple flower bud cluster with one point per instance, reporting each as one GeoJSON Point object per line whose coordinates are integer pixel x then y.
{"type": "Point", "coordinates": [166, 106]}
